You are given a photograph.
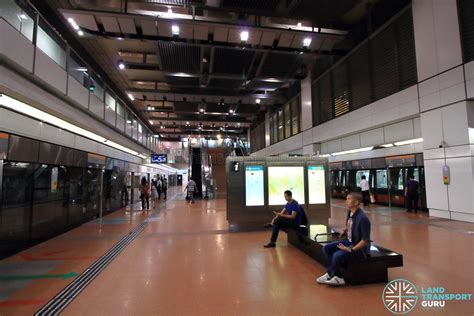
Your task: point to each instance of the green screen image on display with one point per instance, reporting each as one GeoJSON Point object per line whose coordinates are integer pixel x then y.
{"type": "Point", "coordinates": [316, 185]}
{"type": "Point", "coordinates": [281, 179]}
{"type": "Point", "coordinates": [254, 192]}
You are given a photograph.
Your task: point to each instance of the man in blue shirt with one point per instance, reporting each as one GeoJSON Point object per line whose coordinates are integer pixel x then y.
{"type": "Point", "coordinates": [289, 217]}
{"type": "Point", "coordinates": [357, 242]}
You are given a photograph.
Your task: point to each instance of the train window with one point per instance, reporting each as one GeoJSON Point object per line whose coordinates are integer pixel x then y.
{"type": "Point", "coordinates": [359, 175]}
{"type": "Point", "coordinates": [381, 176]}
{"type": "Point", "coordinates": [400, 179]}
{"type": "Point", "coordinates": [416, 174]}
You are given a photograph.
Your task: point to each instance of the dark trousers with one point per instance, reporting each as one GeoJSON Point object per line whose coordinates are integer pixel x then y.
{"type": "Point", "coordinates": [280, 223]}
{"type": "Point", "coordinates": [147, 200]}
{"type": "Point", "coordinates": [336, 257]}
{"type": "Point", "coordinates": [366, 197]}
{"type": "Point", "coordinates": [159, 193]}
{"type": "Point", "coordinates": [412, 201]}
{"type": "Point", "coordinates": [164, 192]}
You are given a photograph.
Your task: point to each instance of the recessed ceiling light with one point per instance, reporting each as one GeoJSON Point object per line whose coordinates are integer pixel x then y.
{"type": "Point", "coordinates": [258, 101]}
{"type": "Point", "coordinates": [307, 41]}
{"type": "Point", "coordinates": [299, 24]}
{"type": "Point", "coordinates": [121, 65]}
{"type": "Point", "coordinates": [151, 122]}
{"type": "Point", "coordinates": [130, 96]}
{"type": "Point", "coordinates": [80, 33]}
{"type": "Point", "coordinates": [23, 16]}
{"type": "Point", "coordinates": [244, 36]}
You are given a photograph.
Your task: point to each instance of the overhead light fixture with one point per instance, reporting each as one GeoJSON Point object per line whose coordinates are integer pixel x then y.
{"type": "Point", "coordinates": [92, 87]}
{"type": "Point", "coordinates": [130, 96]}
{"type": "Point", "coordinates": [175, 30]}
{"type": "Point", "coordinates": [408, 142]}
{"type": "Point", "coordinates": [170, 11]}
{"type": "Point", "coordinates": [244, 36]}
{"type": "Point", "coordinates": [387, 145]}
{"type": "Point", "coordinates": [80, 33]}
{"type": "Point", "coordinates": [23, 16]}
{"type": "Point", "coordinates": [299, 24]}
{"type": "Point", "coordinates": [231, 111]}
{"type": "Point", "coordinates": [73, 24]}
{"type": "Point", "coordinates": [121, 65]}
{"type": "Point", "coordinates": [182, 74]}
{"type": "Point", "coordinates": [201, 110]}
{"type": "Point", "coordinates": [258, 101]}
{"type": "Point", "coordinates": [151, 123]}
{"type": "Point", "coordinates": [187, 123]}
{"type": "Point", "coordinates": [25, 109]}
{"type": "Point", "coordinates": [352, 151]}
{"type": "Point", "coordinates": [238, 124]}
{"type": "Point", "coordinates": [307, 41]}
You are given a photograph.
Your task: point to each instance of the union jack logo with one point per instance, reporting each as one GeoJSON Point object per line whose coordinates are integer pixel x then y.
{"type": "Point", "coordinates": [400, 296]}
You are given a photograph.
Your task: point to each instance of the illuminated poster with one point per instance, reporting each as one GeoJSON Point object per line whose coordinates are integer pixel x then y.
{"type": "Point", "coordinates": [254, 195]}
{"type": "Point", "coordinates": [281, 179]}
{"type": "Point", "coordinates": [316, 185]}
{"type": "Point", "coordinates": [54, 179]}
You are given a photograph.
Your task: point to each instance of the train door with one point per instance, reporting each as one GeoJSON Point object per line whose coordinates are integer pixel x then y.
{"type": "Point", "coordinates": [419, 176]}
{"type": "Point", "coordinates": [358, 178]}
{"type": "Point", "coordinates": [381, 186]}
{"type": "Point", "coordinates": [397, 178]}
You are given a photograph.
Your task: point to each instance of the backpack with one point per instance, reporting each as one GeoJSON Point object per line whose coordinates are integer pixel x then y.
{"type": "Point", "coordinates": [304, 218]}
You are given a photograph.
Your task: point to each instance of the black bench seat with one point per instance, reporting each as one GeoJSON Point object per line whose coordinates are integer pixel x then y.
{"type": "Point", "coordinates": [373, 269]}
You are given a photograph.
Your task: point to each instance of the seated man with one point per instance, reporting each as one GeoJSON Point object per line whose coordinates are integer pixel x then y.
{"type": "Point", "coordinates": [356, 244]}
{"type": "Point", "coordinates": [289, 217]}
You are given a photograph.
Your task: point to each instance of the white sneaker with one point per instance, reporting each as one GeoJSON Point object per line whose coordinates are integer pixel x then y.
{"type": "Point", "coordinates": [322, 279]}
{"type": "Point", "coordinates": [335, 280]}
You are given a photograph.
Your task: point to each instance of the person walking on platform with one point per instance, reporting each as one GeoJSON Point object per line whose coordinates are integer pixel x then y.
{"type": "Point", "coordinates": [159, 186]}
{"type": "Point", "coordinates": [154, 193]}
{"type": "Point", "coordinates": [289, 217]}
{"type": "Point", "coordinates": [364, 186]}
{"type": "Point", "coordinates": [191, 187]}
{"type": "Point", "coordinates": [145, 194]}
{"type": "Point", "coordinates": [164, 186]}
{"type": "Point", "coordinates": [357, 242]}
{"type": "Point", "coordinates": [411, 194]}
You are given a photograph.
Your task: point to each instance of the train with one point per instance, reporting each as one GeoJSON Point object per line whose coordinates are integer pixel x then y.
{"type": "Point", "coordinates": [387, 178]}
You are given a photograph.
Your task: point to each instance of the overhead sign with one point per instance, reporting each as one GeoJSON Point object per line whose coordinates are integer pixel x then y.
{"type": "Point", "coordinates": [159, 158]}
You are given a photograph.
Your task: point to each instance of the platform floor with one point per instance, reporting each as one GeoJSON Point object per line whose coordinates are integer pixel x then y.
{"type": "Point", "coordinates": [185, 262]}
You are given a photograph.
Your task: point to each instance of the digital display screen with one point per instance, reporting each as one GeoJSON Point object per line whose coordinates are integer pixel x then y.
{"type": "Point", "coordinates": [316, 185]}
{"type": "Point", "coordinates": [281, 179]}
{"type": "Point", "coordinates": [159, 158]}
{"type": "Point", "coordinates": [254, 192]}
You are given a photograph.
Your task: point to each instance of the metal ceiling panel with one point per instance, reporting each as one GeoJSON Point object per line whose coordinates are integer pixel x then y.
{"type": "Point", "coordinates": [179, 57]}
{"type": "Point", "coordinates": [329, 42]}
{"type": "Point", "coordinates": [127, 25]}
{"type": "Point", "coordinates": [317, 42]}
{"type": "Point", "coordinates": [251, 4]}
{"type": "Point", "coordinates": [201, 32]}
{"type": "Point", "coordinates": [110, 24]}
{"type": "Point", "coordinates": [264, 85]}
{"type": "Point", "coordinates": [164, 29]}
{"type": "Point", "coordinates": [149, 27]}
{"type": "Point", "coordinates": [186, 31]}
{"type": "Point", "coordinates": [255, 37]}
{"type": "Point", "coordinates": [86, 21]}
{"type": "Point", "coordinates": [182, 81]}
{"type": "Point", "coordinates": [232, 61]}
{"type": "Point", "coordinates": [267, 39]}
{"type": "Point", "coordinates": [298, 40]}
{"type": "Point", "coordinates": [234, 35]}
{"type": "Point", "coordinates": [280, 65]}
{"type": "Point", "coordinates": [225, 83]}
{"type": "Point", "coordinates": [220, 34]}
{"type": "Point", "coordinates": [285, 40]}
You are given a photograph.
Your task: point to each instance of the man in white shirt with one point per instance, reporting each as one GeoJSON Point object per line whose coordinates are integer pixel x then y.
{"type": "Point", "coordinates": [364, 186]}
{"type": "Point", "coordinates": [191, 188]}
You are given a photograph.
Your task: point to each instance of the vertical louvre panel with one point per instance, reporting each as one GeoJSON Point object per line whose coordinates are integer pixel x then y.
{"type": "Point", "coordinates": [385, 65]}
{"type": "Point", "coordinates": [466, 14]}
{"type": "Point", "coordinates": [315, 105]}
{"type": "Point", "coordinates": [341, 89]}
{"type": "Point", "coordinates": [325, 93]}
{"type": "Point", "coordinates": [360, 77]}
{"type": "Point", "coordinates": [406, 50]}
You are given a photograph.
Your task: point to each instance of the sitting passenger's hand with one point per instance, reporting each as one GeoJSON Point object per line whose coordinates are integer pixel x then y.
{"type": "Point", "coordinates": [345, 248]}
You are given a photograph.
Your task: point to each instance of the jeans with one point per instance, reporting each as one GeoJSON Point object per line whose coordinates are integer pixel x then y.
{"type": "Point", "coordinates": [336, 256]}
{"type": "Point", "coordinates": [280, 223]}
{"type": "Point", "coordinates": [366, 197]}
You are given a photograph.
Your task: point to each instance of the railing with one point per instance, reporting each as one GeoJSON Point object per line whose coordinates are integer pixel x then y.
{"type": "Point", "coordinates": [107, 106]}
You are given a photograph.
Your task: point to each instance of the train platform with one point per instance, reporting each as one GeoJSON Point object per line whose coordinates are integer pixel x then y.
{"type": "Point", "coordinates": [180, 259]}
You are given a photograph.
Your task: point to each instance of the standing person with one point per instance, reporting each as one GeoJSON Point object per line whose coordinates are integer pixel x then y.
{"type": "Point", "coordinates": [290, 216]}
{"type": "Point", "coordinates": [164, 186]}
{"type": "Point", "coordinates": [145, 194]}
{"type": "Point", "coordinates": [191, 187]}
{"type": "Point", "coordinates": [411, 194]}
{"type": "Point", "coordinates": [357, 242]}
{"type": "Point", "coordinates": [159, 186]}
{"type": "Point", "coordinates": [364, 186]}
{"type": "Point", "coordinates": [154, 193]}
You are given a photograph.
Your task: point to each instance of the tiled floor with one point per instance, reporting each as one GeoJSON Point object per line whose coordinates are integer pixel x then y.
{"type": "Point", "coordinates": [185, 262]}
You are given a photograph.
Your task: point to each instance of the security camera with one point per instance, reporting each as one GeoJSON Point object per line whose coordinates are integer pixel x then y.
{"type": "Point", "coordinates": [442, 144]}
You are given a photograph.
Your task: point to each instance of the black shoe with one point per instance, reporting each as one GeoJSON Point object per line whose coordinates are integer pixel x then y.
{"type": "Point", "coordinates": [268, 225]}
{"type": "Point", "coordinates": [270, 245]}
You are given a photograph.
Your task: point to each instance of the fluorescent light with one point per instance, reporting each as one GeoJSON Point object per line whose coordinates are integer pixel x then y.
{"type": "Point", "coordinates": [170, 11]}
{"type": "Point", "coordinates": [352, 151]}
{"type": "Point", "coordinates": [151, 123]}
{"type": "Point", "coordinates": [386, 145]}
{"type": "Point", "coordinates": [258, 101]}
{"type": "Point", "coordinates": [23, 16]}
{"type": "Point", "coordinates": [130, 96]}
{"type": "Point", "coordinates": [231, 111]}
{"type": "Point", "coordinates": [244, 36]}
{"type": "Point", "coordinates": [299, 24]}
{"type": "Point", "coordinates": [408, 142]}
{"type": "Point", "coordinates": [73, 24]}
{"type": "Point", "coordinates": [182, 74]}
{"type": "Point", "coordinates": [80, 33]}
{"type": "Point", "coordinates": [187, 123]}
{"type": "Point", "coordinates": [307, 41]}
{"type": "Point", "coordinates": [272, 80]}
{"type": "Point", "coordinates": [175, 30]}
{"type": "Point", "coordinates": [324, 156]}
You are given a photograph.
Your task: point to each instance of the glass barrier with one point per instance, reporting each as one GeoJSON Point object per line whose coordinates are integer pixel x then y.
{"type": "Point", "coordinates": [78, 69]}
{"type": "Point", "coordinates": [97, 87]}
{"type": "Point", "coordinates": [22, 19]}
{"type": "Point", "coordinates": [50, 43]}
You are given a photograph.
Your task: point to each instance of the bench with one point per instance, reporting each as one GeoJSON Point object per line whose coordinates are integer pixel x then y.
{"type": "Point", "coordinates": [373, 269]}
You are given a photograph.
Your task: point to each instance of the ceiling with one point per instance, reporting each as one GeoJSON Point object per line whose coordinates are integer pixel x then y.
{"type": "Point", "coordinates": [205, 80]}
